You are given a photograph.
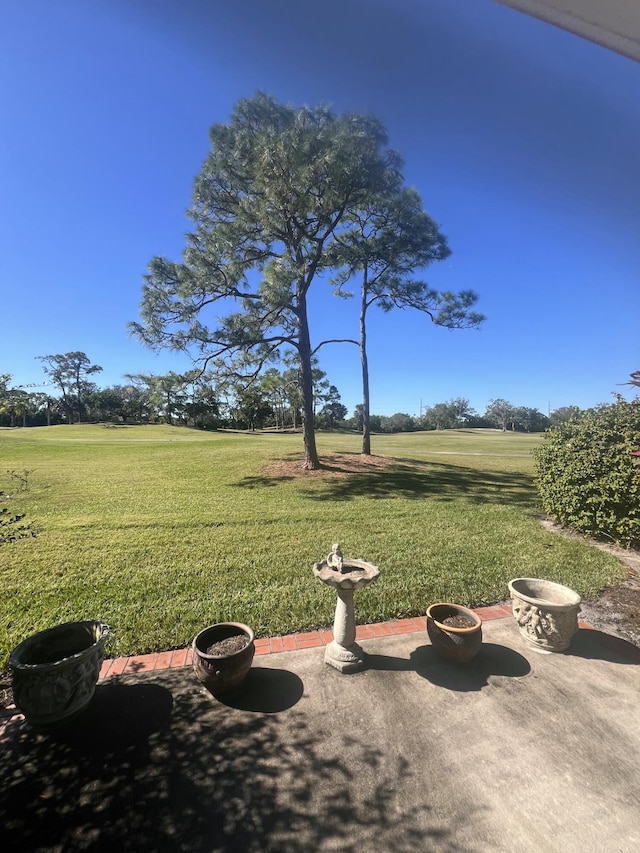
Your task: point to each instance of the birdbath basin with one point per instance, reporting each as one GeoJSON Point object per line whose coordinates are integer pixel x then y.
{"type": "Point", "coordinates": [345, 575]}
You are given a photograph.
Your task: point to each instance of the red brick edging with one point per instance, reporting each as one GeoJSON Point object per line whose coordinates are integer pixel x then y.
{"type": "Point", "coordinates": [291, 642]}
{"type": "Point", "coordinates": [175, 658]}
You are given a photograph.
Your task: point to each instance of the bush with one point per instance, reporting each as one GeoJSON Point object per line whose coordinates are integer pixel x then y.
{"type": "Point", "coordinates": [587, 478]}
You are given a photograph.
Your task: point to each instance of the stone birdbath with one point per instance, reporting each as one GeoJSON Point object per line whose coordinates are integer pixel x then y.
{"type": "Point", "coordinates": [345, 576]}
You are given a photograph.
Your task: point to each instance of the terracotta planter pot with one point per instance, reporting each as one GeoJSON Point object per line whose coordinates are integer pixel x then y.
{"type": "Point", "coordinates": [222, 673]}
{"type": "Point", "coordinates": [546, 612]}
{"type": "Point", "coordinates": [460, 645]}
{"type": "Point", "coordinates": [55, 672]}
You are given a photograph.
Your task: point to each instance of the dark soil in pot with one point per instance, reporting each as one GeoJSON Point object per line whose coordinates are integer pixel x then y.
{"type": "Point", "coordinates": [228, 646]}
{"type": "Point", "coordinates": [458, 622]}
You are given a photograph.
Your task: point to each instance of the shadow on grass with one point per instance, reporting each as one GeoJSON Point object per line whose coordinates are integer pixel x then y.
{"type": "Point", "coordinates": [159, 765]}
{"type": "Point", "coordinates": [414, 480]}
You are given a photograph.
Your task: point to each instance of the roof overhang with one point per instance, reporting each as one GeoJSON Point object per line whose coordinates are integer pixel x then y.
{"type": "Point", "coordinates": [614, 24]}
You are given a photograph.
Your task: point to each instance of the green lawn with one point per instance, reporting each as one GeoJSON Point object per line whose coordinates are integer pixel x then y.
{"type": "Point", "coordinates": [161, 531]}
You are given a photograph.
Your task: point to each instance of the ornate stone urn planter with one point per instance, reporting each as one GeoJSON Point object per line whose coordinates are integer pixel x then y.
{"type": "Point", "coordinates": [55, 672]}
{"type": "Point", "coordinates": [546, 612]}
{"type": "Point", "coordinates": [455, 631]}
{"type": "Point", "coordinates": [222, 656]}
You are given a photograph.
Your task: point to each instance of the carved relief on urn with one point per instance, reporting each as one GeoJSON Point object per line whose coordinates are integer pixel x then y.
{"type": "Point", "coordinates": [546, 612]}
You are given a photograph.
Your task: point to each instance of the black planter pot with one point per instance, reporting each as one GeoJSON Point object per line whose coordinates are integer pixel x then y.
{"type": "Point", "coordinates": [222, 673]}
{"type": "Point", "coordinates": [460, 645]}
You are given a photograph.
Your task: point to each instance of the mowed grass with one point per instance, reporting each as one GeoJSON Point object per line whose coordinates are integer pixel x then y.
{"type": "Point", "coordinates": [161, 531]}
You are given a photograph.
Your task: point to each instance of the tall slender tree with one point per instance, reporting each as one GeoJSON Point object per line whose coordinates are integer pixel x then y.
{"type": "Point", "coordinates": [388, 239]}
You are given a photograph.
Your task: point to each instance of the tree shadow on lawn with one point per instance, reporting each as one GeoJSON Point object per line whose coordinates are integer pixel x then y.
{"type": "Point", "coordinates": [413, 479]}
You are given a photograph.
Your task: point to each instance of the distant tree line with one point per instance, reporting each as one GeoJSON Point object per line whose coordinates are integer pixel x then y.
{"type": "Point", "coordinates": [211, 400]}
{"type": "Point", "coordinates": [458, 414]}
{"type": "Point", "coordinates": [195, 399]}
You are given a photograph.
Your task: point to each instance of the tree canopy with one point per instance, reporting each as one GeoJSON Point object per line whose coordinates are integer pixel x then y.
{"type": "Point", "coordinates": [271, 197]}
{"type": "Point", "coordinates": [69, 372]}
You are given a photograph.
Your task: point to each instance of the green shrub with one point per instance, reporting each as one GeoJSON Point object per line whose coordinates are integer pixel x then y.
{"type": "Point", "coordinates": [587, 478]}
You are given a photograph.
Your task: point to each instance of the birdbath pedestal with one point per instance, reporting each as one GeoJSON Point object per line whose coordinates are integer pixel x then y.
{"type": "Point", "coordinates": [345, 576]}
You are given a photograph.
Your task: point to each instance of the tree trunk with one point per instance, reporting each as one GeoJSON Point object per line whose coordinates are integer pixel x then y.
{"type": "Point", "coordinates": [66, 405]}
{"type": "Point", "coordinates": [311, 460]}
{"type": "Point", "coordinates": [366, 429]}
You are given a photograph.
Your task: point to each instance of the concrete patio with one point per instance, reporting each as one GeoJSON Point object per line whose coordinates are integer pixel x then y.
{"type": "Point", "coordinates": [517, 751]}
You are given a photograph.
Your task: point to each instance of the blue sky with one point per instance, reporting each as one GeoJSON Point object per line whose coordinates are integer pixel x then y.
{"type": "Point", "coordinates": [522, 140]}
